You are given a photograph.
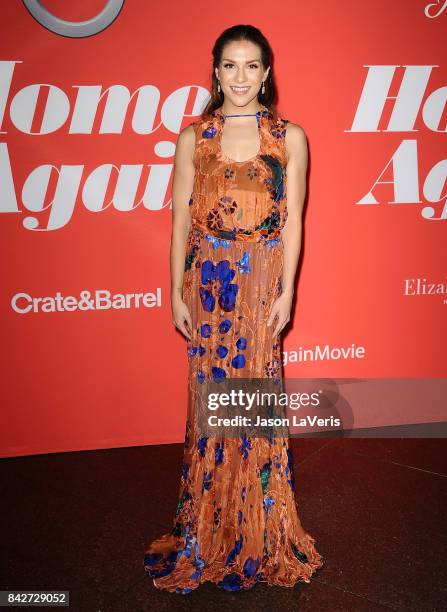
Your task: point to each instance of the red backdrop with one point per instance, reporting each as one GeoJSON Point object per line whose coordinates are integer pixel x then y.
{"type": "Point", "coordinates": [88, 132]}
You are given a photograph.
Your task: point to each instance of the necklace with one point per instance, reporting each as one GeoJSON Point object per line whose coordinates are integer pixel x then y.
{"type": "Point", "coordinates": [250, 115]}
{"type": "Point", "coordinates": [263, 109]}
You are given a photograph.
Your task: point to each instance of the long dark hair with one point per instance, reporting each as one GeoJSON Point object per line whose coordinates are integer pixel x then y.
{"type": "Point", "coordinates": [254, 35]}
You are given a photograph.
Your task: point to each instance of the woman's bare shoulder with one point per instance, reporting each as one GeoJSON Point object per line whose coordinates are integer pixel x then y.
{"type": "Point", "coordinates": [188, 132]}
{"type": "Point", "coordinates": [296, 139]}
{"type": "Point", "coordinates": [295, 131]}
{"type": "Point", "coordinates": [186, 141]}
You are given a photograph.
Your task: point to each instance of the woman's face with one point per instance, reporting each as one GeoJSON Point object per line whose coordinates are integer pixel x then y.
{"type": "Point", "coordinates": [240, 72]}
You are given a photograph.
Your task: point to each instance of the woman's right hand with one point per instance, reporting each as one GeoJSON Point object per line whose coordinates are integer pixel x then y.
{"type": "Point", "coordinates": [181, 316]}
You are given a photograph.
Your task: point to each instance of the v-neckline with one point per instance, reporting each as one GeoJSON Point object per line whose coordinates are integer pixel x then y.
{"type": "Point", "coordinates": [259, 116]}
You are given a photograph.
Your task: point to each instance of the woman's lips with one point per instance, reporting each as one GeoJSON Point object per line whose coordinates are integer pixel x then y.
{"type": "Point", "coordinates": [241, 91]}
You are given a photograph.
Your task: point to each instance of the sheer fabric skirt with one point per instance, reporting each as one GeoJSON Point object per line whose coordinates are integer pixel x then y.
{"type": "Point", "coordinates": [236, 521]}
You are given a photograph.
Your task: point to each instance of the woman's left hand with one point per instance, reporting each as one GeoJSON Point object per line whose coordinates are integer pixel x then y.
{"type": "Point", "coordinates": [281, 309]}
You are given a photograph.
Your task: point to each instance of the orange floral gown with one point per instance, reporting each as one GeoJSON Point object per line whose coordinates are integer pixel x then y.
{"type": "Point", "coordinates": [236, 521]}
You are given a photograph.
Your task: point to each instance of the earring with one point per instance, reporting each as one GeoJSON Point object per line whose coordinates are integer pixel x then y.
{"type": "Point", "coordinates": [263, 88]}
{"type": "Point", "coordinates": [218, 86]}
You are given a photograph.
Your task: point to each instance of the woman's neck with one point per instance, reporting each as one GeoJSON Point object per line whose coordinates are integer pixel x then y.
{"type": "Point", "coordinates": [235, 110]}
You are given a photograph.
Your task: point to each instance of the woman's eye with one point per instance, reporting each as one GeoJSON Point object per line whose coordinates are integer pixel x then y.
{"type": "Point", "coordinates": [251, 65]}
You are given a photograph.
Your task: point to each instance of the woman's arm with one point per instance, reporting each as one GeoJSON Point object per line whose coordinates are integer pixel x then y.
{"type": "Point", "coordinates": [296, 144]}
{"type": "Point", "coordinates": [297, 160]}
{"type": "Point", "coordinates": [182, 186]}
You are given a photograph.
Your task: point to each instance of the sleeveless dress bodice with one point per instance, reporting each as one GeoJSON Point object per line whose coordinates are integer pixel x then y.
{"type": "Point", "coordinates": [245, 200]}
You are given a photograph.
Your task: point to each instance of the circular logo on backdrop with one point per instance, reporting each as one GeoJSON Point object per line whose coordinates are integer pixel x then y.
{"type": "Point", "coordinates": [74, 29]}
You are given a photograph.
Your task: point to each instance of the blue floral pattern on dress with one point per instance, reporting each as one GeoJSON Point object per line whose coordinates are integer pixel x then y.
{"type": "Point", "coordinates": [216, 279]}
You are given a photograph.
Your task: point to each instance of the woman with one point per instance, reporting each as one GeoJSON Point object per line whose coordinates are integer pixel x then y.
{"type": "Point", "coordinates": [233, 263]}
